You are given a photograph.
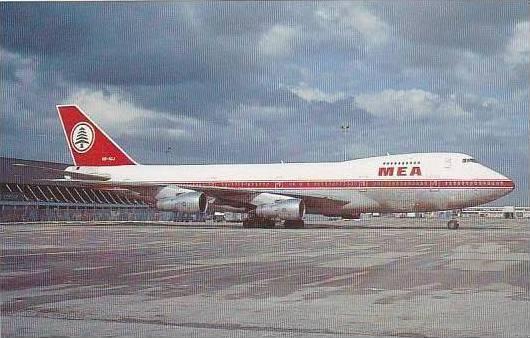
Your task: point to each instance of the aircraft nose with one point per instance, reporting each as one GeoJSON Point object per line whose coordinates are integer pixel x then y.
{"type": "Point", "coordinates": [508, 184]}
{"type": "Point", "coordinates": [505, 181]}
{"type": "Point", "coordinates": [506, 187]}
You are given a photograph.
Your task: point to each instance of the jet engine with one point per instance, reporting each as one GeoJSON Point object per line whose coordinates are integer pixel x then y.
{"type": "Point", "coordinates": [289, 209]}
{"type": "Point", "coordinates": [190, 202]}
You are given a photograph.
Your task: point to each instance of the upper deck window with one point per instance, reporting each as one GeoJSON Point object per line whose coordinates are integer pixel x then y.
{"type": "Point", "coordinates": [467, 160]}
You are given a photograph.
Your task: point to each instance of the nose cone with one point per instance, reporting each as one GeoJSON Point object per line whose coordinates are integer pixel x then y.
{"type": "Point", "coordinates": [508, 185]}
{"type": "Point", "coordinates": [502, 185]}
{"type": "Point", "coordinates": [507, 182]}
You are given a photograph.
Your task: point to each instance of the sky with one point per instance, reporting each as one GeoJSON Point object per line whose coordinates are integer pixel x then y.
{"type": "Point", "coordinates": [264, 82]}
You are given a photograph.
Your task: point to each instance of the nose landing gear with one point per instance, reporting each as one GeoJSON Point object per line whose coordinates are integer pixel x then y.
{"type": "Point", "coordinates": [453, 224]}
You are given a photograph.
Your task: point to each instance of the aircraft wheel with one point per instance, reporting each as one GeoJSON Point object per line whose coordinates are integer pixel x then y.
{"type": "Point", "coordinates": [268, 223]}
{"type": "Point", "coordinates": [453, 224]}
{"type": "Point", "coordinates": [299, 224]}
{"type": "Point", "coordinates": [259, 223]}
{"type": "Point", "coordinates": [249, 223]}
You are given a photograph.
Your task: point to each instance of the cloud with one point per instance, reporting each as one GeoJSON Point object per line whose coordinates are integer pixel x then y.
{"type": "Point", "coordinates": [309, 94]}
{"type": "Point", "coordinates": [415, 103]}
{"type": "Point", "coordinates": [17, 68]}
{"type": "Point", "coordinates": [118, 44]}
{"type": "Point", "coordinates": [518, 48]}
{"type": "Point", "coordinates": [356, 19]}
{"type": "Point", "coordinates": [114, 112]}
{"type": "Point", "coordinates": [277, 41]}
{"type": "Point", "coordinates": [480, 27]}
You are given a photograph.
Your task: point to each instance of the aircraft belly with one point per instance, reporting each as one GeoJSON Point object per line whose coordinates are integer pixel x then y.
{"type": "Point", "coordinates": [408, 200]}
{"type": "Point", "coordinates": [332, 201]}
{"type": "Point", "coordinates": [418, 200]}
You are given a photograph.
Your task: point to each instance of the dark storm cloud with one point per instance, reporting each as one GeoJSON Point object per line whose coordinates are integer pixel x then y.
{"type": "Point", "coordinates": [270, 81]}
{"type": "Point", "coordinates": [479, 26]}
{"type": "Point", "coordinates": [136, 43]}
{"type": "Point", "coordinates": [443, 41]}
{"type": "Point", "coordinates": [43, 29]}
{"type": "Point", "coordinates": [122, 44]}
{"type": "Point", "coordinates": [119, 44]}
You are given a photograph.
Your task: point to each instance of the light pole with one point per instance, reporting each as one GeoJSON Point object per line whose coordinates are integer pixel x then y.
{"type": "Point", "coordinates": [345, 128]}
{"type": "Point", "coordinates": [167, 151]}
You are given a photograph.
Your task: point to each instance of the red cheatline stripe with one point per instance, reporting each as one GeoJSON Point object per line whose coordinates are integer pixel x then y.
{"type": "Point", "coordinates": [360, 184]}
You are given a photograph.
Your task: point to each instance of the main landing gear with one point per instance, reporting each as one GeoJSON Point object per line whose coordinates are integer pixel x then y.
{"type": "Point", "coordinates": [298, 224]}
{"type": "Point", "coordinates": [453, 224]}
{"type": "Point", "coordinates": [258, 222]}
{"type": "Point", "coordinates": [267, 223]}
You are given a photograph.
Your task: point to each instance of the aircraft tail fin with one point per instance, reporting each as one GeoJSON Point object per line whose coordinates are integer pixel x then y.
{"type": "Point", "coordinates": [89, 144]}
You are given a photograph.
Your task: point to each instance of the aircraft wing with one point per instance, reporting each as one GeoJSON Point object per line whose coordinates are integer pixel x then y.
{"type": "Point", "coordinates": [244, 196]}
{"type": "Point", "coordinates": [235, 197]}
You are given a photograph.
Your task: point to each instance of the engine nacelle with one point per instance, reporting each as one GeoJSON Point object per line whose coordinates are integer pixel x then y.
{"type": "Point", "coordinates": [289, 210]}
{"type": "Point", "coordinates": [190, 202]}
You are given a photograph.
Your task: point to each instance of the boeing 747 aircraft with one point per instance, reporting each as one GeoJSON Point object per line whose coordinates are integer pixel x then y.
{"type": "Point", "coordinates": [269, 193]}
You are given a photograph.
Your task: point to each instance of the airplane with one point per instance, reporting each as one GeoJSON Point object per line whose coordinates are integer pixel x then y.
{"type": "Point", "coordinates": [269, 193]}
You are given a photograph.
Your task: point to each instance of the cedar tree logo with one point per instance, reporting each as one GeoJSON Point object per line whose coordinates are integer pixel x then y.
{"type": "Point", "coordinates": [82, 137]}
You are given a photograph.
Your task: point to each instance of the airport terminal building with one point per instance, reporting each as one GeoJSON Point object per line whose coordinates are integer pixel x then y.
{"type": "Point", "coordinates": [26, 196]}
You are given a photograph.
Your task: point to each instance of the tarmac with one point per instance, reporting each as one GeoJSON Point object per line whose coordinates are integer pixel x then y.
{"type": "Point", "coordinates": [382, 277]}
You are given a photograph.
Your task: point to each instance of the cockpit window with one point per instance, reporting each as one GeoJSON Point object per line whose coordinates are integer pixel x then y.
{"type": "Point", "coordinates": [467, 160]}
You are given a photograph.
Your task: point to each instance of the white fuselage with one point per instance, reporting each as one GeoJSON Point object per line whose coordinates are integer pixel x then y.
{"type": "Point", "coordinates": [392, 183]}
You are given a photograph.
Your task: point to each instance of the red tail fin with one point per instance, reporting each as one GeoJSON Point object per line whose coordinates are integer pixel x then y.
{"type": "Point", "coordinates": [89, 145]}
